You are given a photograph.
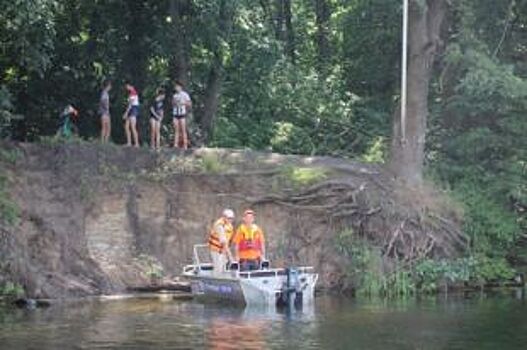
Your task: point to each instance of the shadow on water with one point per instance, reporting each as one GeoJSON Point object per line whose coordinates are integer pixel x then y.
{"type": "Point", "coordinates": [475, 322]}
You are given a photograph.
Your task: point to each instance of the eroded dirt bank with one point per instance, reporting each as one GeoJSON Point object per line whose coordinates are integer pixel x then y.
{"type": "Point", "coordinates": [91, 216]}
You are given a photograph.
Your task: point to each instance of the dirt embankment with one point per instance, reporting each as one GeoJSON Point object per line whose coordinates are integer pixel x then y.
{"type": "Point", "coordinates": [93, 218]}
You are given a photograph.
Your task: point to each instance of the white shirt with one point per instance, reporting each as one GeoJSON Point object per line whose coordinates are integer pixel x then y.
{"type": "Point", "coordinates": [220, 230]}
{"type": "Point", "coordinates": [179, 102]}
{"type": "Point", "coordinates": [104, 104]}
{"type": "Point", "coordinates": [133, 100]}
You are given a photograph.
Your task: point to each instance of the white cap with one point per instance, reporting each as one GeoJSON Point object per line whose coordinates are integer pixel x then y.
{"type": "Point", "coordinates": [228, 213]}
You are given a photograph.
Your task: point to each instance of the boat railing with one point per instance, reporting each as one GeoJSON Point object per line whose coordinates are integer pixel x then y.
{"type": "Point", "coordinates": [274, 272]}
{"type": "Point", "coordinates": [234, 267]}
{"type": "Point", "coordinates": [197, 247]}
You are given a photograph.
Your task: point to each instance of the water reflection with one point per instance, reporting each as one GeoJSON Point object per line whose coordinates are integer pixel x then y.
{"type": "Point", "coordinates": [334, 323]}
{"type": "Point", "coordinates": [225, 333]}
{"type": "Point", "coordinates": [255, 328]}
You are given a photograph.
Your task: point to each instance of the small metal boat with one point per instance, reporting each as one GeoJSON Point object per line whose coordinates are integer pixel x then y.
{"type": "Point", "coordinates": [280, 287]}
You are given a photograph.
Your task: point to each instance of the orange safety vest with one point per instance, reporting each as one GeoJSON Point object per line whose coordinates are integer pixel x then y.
{"type": "Point", "coordinates": [214, 239]}
{"type": "Point", "coordinates": [250, 242]}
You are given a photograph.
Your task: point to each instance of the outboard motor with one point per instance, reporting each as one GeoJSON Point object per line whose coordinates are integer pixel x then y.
{"type": "Point", "coordinates": [291, 294]}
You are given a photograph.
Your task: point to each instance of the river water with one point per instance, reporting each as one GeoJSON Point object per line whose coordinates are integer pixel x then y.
{"type": "Point", "coordinates": [478, 322]}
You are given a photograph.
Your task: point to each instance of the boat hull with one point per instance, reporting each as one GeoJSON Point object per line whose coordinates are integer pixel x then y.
{"type": "Point", "coordinates": [294, 286]}
{"type": "Point", "coordinates": [210, 289]}
{"type": "Point", "coordinates": [257, 288]}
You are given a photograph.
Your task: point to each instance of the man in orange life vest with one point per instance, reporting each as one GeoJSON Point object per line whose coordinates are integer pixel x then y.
{"type": "Point", "coordinates": [249, 242]}
{"type": "Point", "coordinates": [219, 240]}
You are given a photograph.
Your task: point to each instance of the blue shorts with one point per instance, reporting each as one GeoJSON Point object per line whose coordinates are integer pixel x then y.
{"type": "Point", "coordinates": [249, 265]}
{"type": "Point", "coordinates": [179, 117]}
{"type": "Point", "coordinates": [133, 112]}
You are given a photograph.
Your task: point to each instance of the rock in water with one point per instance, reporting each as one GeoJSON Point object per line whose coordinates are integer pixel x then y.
{"type": "Point", "coordinates": [29, 303]}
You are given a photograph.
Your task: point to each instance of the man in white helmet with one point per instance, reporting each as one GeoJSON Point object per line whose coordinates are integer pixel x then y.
{"type": "Point", "coordinates": [219, 240]}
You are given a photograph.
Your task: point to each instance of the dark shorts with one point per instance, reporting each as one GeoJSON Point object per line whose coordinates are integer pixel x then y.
{"type": "Point", "coordinates": [153, 117]}
{"type": "Point", "coordinates": [249, 265]}
{"type": "Point", "coordinates": [179, 117]}
{"type": "Point", "coordinates": [134, 112]}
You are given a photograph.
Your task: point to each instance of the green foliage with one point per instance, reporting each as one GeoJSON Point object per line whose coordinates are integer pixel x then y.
{"type": "Point", "coordinates": [27, 29]}
{"type": "Point", "coordinates": [9, 210]}
{"type": "Point", "coordinates": [11, 289]}
{"type": "Point", "coordinates": [290, 111]}
{"type": "Point", "coordinates": [32, 24]}
{"type": "Point", "coordinates": [478, 140]}
{"type": "Point", "coordinates": [368, 275]}
{"type": "Point", "coordinates": [267, 101]}
{"type": "Point", "coordinates": [376, 153]}
{"type": "Point", "coordinates": [366, 272]}
{"type": "Point", "coordinates": [288, 138]}
{"type": "Point", "coordinates": [491, 227]}
{"type": "Point", "coordinates": [211, 163]}
{"type": "Point", "coordinates": [9, 156]}
{"type": "Point", "coordinates": [151, 266]}
{"type": "Point", "coordinates": [270, 103]}
{"type": "Point", "coordinates": [472, 270]}
{"type": "Point", "coordinates": [6, 111]}
{"type": "Point", "coordinates": [303, 176]}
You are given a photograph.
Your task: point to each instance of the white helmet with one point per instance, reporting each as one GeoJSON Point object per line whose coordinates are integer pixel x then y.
{"type": "Point", "coordinates": [228, 213]}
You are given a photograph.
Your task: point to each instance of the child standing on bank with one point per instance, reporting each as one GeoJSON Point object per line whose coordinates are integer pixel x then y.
{"type": "Point", "coordinates": [181, 103]}
{"type": "Point", "coordinates": [104, 111]}
{"type": "Point", "coordinates": [156, 118]}
{"type": "Point", "coordinates": [130, 116]}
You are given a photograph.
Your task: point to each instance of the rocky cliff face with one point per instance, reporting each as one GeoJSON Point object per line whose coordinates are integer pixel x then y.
{"type": "Point", "coordinates": [93, 216]}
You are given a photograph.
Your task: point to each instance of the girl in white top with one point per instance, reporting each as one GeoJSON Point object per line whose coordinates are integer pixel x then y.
{"type": "Point", "coordinates": [130, 117]}
{"type": "Point", "coordinates": [181, 103]}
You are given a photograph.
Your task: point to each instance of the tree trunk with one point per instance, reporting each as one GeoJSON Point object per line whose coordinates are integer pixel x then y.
{"type": "Point", "coordinates": [180, 45]}
{"type": "Point", "coordinates": [424, 28]}
{"type": "Point", "coordinates": [211, 100]}
{"type": "Point", "coordinates": [136, 59]}
{"type": "Point", "coordinates": [278, 19]}
{"type": "Point", "coordinates": [290, 34]}
{"type": "Point", "coordinates": [213, 88]}
{"type": "Point", "coordinates": [323, 14]}
{"type": "Point", "coordinates": [280, 15]}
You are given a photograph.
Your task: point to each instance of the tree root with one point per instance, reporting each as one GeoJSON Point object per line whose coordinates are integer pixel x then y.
{"type": "Point", "coordinates": [345, 202]}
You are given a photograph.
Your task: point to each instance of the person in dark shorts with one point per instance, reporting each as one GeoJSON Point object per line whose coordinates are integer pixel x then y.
{"type": "Point", "coordinates": [130, 117]}
{"type": "Point", "coordinates": [181, 103]}
{"type": "Point", "coordinates": [156, 118]}
{"type": "Point", "coordinates": [104, 111]}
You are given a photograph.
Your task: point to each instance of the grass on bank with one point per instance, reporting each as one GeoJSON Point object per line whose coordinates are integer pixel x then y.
{"type": "Point", "coordinates": [303, 176]}
{"type": "Point", "coordinates": [10, 289]}
{"type": "Point", "coordinates": [369, 275]}
{"type": "Point", "coordinates": [211, 163]}
{"type": "Point", "coordinates": [9, 210]}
